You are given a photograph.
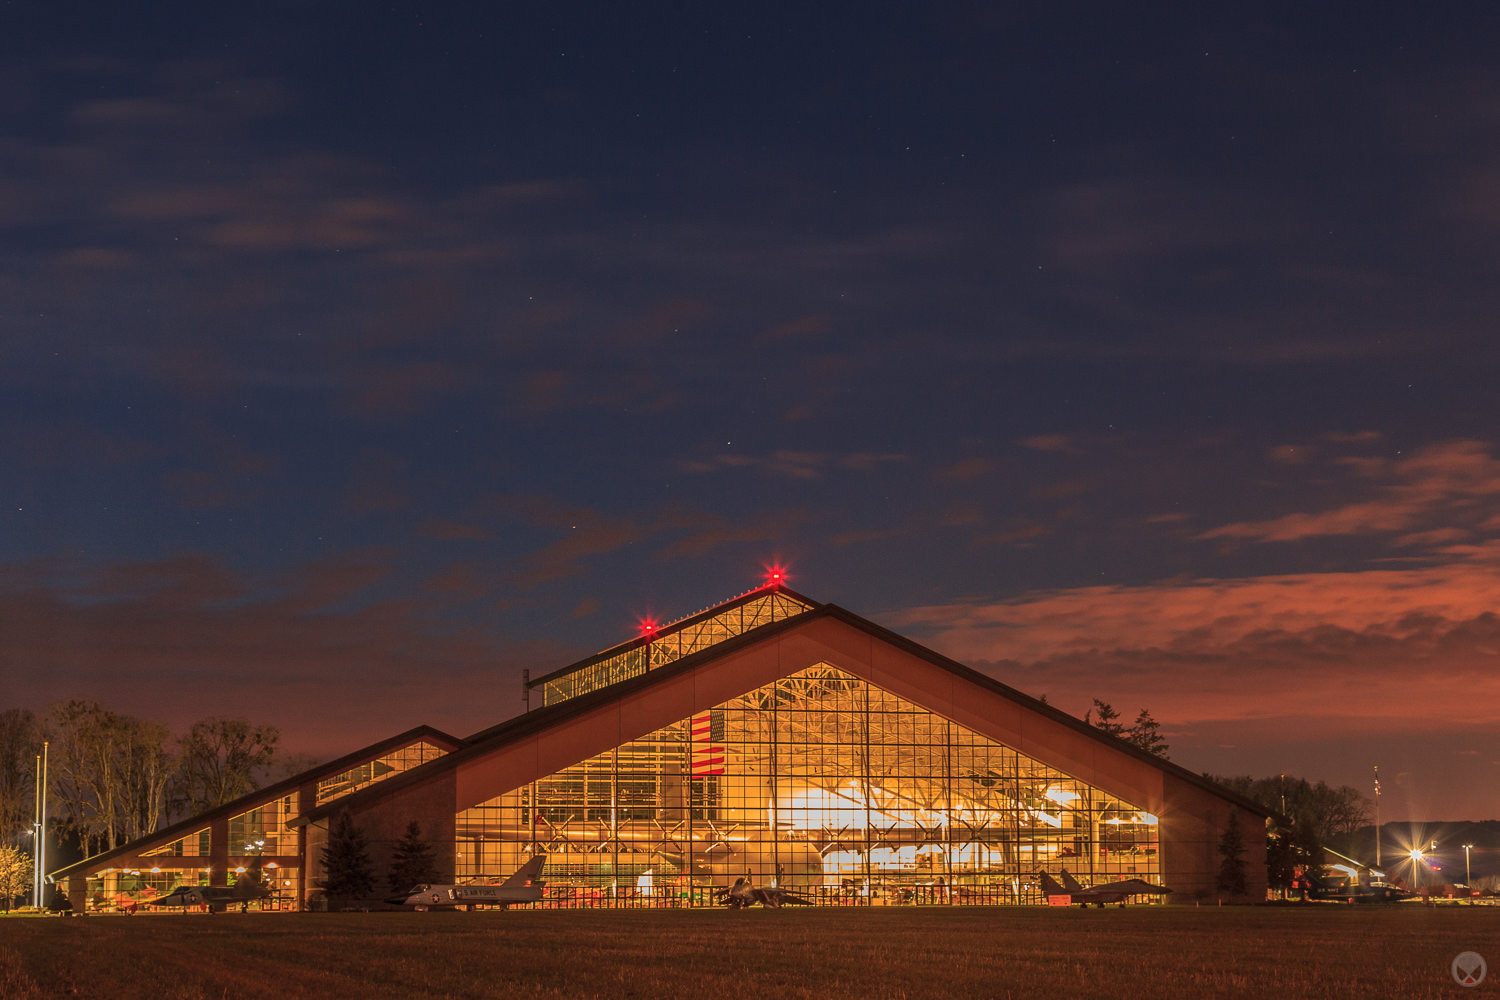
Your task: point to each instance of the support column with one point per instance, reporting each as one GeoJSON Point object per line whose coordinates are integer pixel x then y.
{"type": "Point", "coordinates": [218, 852]}
{"type": "Point", "coordinates": [78, 893]}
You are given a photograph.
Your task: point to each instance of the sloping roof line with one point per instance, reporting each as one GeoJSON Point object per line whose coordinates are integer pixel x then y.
{"type": "Point", "coordinates": [677, 626]}
{"type": "Point", "coordinates": [269, 793]}
{"type": "Point", "coordinates": [539, 720]}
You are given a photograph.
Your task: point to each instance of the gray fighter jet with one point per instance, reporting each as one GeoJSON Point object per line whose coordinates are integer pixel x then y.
{"type": "Point", "coordinates": [1108, 892]}
{"type": "Point", "coordinates": [743, 894]}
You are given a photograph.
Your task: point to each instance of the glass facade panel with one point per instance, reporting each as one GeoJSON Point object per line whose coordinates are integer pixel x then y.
{"type": "Point", "coordinates": [264, 829]}
{"type": "Point", "coordinates": [118, 889]}
{"type": "Point", "coordinates": [820, 783]}
{"type": "Point", "coordinates": [379, 769]}
{"type": "Point", "coordinates": [194, 845]}
{"type": "Point", "coordinates": [673, 643]}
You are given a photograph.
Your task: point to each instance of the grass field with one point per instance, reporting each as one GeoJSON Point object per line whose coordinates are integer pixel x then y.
{"type": "Point", "coordinates": [1155, 952]}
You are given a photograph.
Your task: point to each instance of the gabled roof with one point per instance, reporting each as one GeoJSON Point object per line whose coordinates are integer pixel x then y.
{"type": "Point", "coordinates": [540, 720]}
{"type": "Point", "coordinates": [270, 793]}
{"type": "Point", "coordinates": [661, 636]}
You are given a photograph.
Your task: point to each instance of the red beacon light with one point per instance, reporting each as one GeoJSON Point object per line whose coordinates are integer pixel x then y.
{"type": "Point", "coordinates": [648, 627]}
{"type": "Point", "coordinates": [775, 576]}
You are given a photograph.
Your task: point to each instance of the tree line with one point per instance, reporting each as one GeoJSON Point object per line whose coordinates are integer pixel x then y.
{"type": "Point", "coordinates": [1307, 815]}
{"type": "Point", "coordinates": [113, 778]}
{"type": "Point", "coordinates": [1144, 733]}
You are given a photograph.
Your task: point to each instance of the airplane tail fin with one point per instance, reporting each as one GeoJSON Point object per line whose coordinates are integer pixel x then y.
{"type": "Point", "coordinates": [1050, 886]}
{"type": "Point", "coordinates": [526, 874]}
{"type": "Point", "coordinates": [1069, 882]}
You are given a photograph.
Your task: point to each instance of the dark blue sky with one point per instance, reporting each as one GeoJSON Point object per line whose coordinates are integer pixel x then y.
{"type": "Point", "coordinates": [366, 355]}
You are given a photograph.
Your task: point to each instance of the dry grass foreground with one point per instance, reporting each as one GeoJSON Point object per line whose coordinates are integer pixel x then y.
{"type": "Point", "coordinates": [1156, 952]}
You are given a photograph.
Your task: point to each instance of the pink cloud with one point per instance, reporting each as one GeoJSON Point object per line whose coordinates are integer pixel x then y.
{"type": "Point", "coordinates": [1303, 668]}
{"type": "Point", "coordinates": [1450, 479]}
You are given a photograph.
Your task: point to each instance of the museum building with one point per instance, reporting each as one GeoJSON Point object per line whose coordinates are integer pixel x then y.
{"type": "Point", "coordinates": [771, 737]}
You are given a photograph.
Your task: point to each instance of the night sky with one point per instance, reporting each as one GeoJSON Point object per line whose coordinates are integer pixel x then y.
{"type": "Point", "coordinates": [355, 356]}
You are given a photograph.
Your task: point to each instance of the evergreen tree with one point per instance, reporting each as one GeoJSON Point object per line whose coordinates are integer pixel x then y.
{"type": "Point", "coordinates": [1231, 879]}
{"type": "Point", "coordinates": [414, 861]}
{"type": "Point", "coordinates": [1281, 858]}
{"type": "Point", "coordinates": [347, 872]}
{"type": "Point", "coordinates": [1146, 734]}
{"type": "Point", "coordinates": [1106, 716]}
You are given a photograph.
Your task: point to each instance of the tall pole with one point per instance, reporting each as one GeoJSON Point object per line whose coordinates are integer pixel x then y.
{"type": "Point", "coordinates": [36, 838]}
{"type": "Point", "coordinates": [41, 848]}
{"type": "Point", "coordinates": [1377, 815]}
{"type": "Point", "coordinates": [1467, 886]}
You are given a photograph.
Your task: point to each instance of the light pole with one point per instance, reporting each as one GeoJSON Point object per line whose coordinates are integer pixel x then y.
{"type": "Point", "coordinates": [1416, 871]}
{"type": "Point", "coordinates": [1467, 848]}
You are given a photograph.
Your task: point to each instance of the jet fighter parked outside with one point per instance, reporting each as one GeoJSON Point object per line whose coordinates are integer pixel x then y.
{"type": "Point", "coordinates": [1109, 892]}
{"type": "Point", "coordinates": [522, 887]}
{"type": "Point", "coordinates": [217, 897]}
{"type": "Point", "coordinates": [743, 894]}
{"type": "Point", "coordinates": [1331, 889]}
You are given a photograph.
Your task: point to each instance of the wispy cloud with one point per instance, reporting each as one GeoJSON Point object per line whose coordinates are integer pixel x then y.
{"type": "Point", "coordinates": [796, 464]}
{"type": "Point", "coordinates": [1450, 479]}
{"type": "Point", "coordinates": [1418, 643]}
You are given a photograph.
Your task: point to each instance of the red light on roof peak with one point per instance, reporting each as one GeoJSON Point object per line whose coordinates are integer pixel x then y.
{"type": "Point", "coordinates": [776, 575]}
{"type": "Point", "coordinates": [647, 627]}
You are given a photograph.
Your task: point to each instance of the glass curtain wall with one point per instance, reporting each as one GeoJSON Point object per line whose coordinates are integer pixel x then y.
{"type": "Point", "coordinates": [820, 783]}
{"type": "Point", "coordinates": [369, 772]}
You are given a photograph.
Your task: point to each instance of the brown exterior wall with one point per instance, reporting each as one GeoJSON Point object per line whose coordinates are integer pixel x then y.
{"type": "Point", "coordinates": [1192, 823]}
{"type": "Point", "coordinates": [384, 822]}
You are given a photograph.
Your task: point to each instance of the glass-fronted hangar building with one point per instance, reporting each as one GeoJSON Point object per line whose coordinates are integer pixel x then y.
{"type": "Point", "coordinates": [769, 736]}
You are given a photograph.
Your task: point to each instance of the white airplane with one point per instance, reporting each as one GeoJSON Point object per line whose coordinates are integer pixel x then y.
{"type": "Point", "coordinates": [522, 887]}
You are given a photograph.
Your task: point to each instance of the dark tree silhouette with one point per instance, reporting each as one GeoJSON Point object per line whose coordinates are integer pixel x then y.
{"type": "Point", "coordinates": [1146, 734]}
{"type": "Point", "coordinates": [1103, 717]}
{"type": "Point", "coordinates": [347, 873]}
{"type": "Point", "coordinates": [414, 861]}
{"type": "Point", "coordinates": [1231, 879]}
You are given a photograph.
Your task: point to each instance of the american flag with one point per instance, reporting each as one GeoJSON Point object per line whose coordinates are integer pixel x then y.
{"type": "Point", "coordinates": [708, 743]}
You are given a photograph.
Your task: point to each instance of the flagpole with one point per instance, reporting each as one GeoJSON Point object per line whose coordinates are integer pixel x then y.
{"type": "Point", "coordinates": [1377, 815]}
{"type": "Point", "coordinates": [36, 838]}
{"type": "Point", "coordinates": [41, 850]}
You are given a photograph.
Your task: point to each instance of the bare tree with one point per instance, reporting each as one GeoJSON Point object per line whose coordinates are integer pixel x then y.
{"type": "Point", "coordinates": [146, 769]}
{"type": "Point", "coordinates": [108, 772]}
{"type": "Point", "coordinates": [20, 742]}
{"type": "Point", "coordinates": [222, 759]}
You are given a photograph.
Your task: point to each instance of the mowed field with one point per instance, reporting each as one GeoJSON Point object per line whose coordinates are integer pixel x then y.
{"type": "Point", "coordinates": [1145, 952]}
